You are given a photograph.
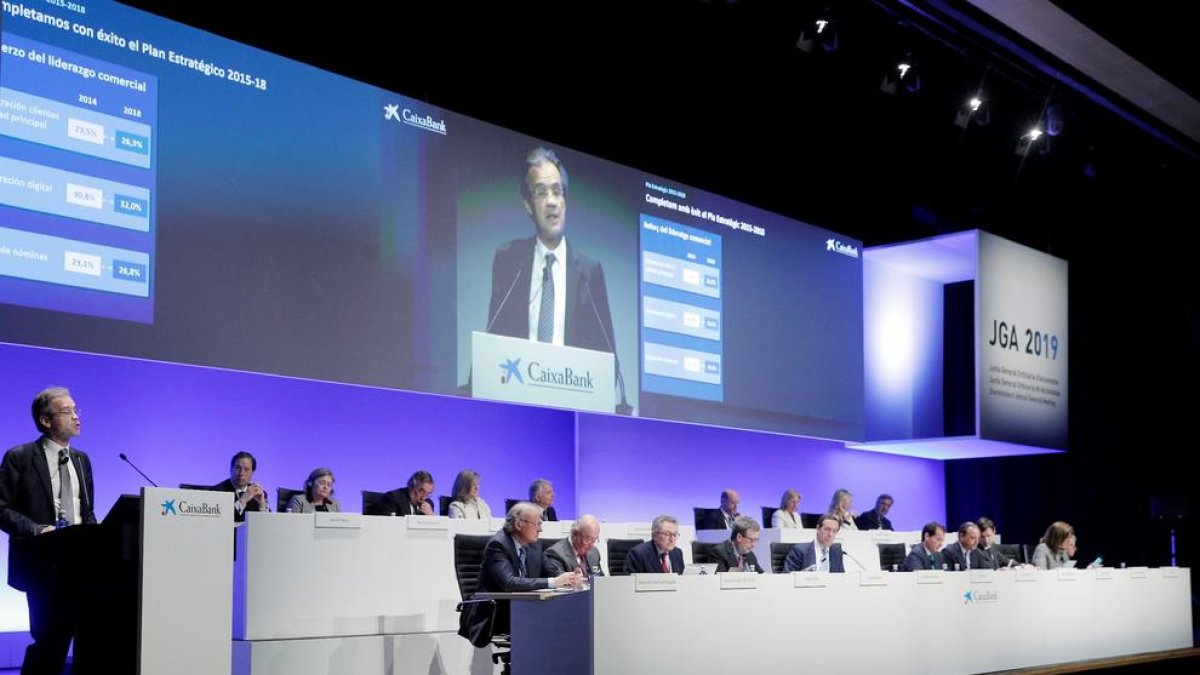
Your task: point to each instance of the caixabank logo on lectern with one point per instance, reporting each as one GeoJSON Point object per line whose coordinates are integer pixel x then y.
{"type": "Point", "coordinates": [183, 507]}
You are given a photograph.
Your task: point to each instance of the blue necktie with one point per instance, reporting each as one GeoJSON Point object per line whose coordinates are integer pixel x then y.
{"type": "Point", "coordinates": [546, 315]}
{"type": "Point", "coordinates": [521, 572]}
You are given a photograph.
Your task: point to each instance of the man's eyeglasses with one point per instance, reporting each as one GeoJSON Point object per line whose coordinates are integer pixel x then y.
{"type": "Point", "coordinates": [69, 412]}
{"type": "Point", "coordinates": [544, 191]}
{"type": "Point", "coordinates": [668, 535]}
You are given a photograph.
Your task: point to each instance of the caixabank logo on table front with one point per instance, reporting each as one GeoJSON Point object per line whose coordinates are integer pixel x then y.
{"type": "Point", "coordinates": [980, 597]}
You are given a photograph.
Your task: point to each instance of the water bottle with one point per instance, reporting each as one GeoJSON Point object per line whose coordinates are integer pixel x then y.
{"type": "Point", "coordinates": [62, 521]}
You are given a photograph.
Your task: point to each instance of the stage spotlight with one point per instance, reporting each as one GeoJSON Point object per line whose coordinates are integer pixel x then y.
{"type": "Point", "coordinates": [976, 110]}
{"type": "Point", "coordinates": [904, 77]}
{"type": "Point", "coordinates": [819, 34]}
{"type": "Point", "coordinates": [1034, 138]}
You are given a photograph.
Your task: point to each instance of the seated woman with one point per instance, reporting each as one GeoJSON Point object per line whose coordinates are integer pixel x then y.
{"type": "Point", "coordinates": [840, 506]}
{"type": "Point", "coordinates": [318, 494]}
{"type": "Point", "coordinates": [787, 516]}
{"type": "Point", "coordinates": [1051, 553]}
{"type": "Point", "coordinates": [467, 502]}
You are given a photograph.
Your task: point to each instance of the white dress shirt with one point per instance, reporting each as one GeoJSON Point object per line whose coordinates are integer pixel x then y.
{"type": "Point", "coordinates": [559, 273]}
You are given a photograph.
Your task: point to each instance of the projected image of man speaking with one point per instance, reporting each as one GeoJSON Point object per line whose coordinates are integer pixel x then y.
{"type": "Point", "coordinates": [543, 287]}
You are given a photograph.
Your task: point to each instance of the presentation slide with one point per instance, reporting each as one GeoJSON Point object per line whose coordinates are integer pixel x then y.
{"type": "Point", "coordinates": [1022, 314]}
{"type": "Point", "coordinates": [171, 195]}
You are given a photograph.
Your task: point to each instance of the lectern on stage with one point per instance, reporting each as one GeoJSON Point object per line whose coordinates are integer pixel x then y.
{"type": "Point", "coordinates": [149, 586]}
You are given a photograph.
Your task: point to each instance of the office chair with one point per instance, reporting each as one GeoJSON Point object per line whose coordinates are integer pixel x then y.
{"type": "Point", "coordinates": [283, 496]}
{"type": "Point", "coordinates": [617, 550]}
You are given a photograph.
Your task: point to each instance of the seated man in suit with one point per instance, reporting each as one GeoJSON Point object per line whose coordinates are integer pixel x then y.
{"type": "Point", "coordinates": [722, 518]}
{"type": "Point", "coordinates": [876, 518]}
{"type": "Point", "coordinates": [660, 554]}
{"type": "Point", "coordinates": [512, 562]}
{"type": "Point", "coordinates": [247, 495]}
{"type": "Point", "coordinates": [736, 554]}
{"type": "Point", "coordinates": [542, 287]}
{"type": "Point", "coordinates": [965, 554]}
{"type": "Point", "coordinates": [411, 500]}
{"type": "Point", "coordinates": [43, 485]}
{"type": "Point", "coordinates": [577, 552]}
{"type": "Point", "coordinates": [820, 555]}
{"type": "Point", "coordinates": [990, 550]}
{"type": "Point", "coordinates": [928, 554]}
{"type": "Point", "coordinates": [541, 492]}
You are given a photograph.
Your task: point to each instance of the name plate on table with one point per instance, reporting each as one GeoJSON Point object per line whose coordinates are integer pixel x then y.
{"type": "Point", "coordinates": [810, 579]}
{"type": "Point", "coordinates": [981, 576]}
{"type": "Point", "coordinates": [931, 577]}
{"type": "Point", "coordinates": [1068, 574]}
{"type": "Point", "coordinates": [879, 578]}
{"type": "Point", "coordinates": [1139, 573]}
{"type": "Point", "coordinates": [1105, 574]}
{"type": "Point", "coordinates": [881, 537]}
{"type": "Point", "coordinates": [638, 530]}
{"type": "Point", "coordinates": [654, 582]}
{"type": "Point", "coordinates": [340, 521]}
{"type": "Point", "coordinates": [738, 580]}
{"type": "Point", "coordinates": [1026, 573]}
{"type": "Point", "coordinates": [1170, 572]}
{"type": "Point", "coordinates": [427, 522]}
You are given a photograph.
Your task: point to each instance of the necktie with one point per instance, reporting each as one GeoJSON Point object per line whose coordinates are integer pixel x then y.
{"type": "Point", "coordinates": [583, 566]}
{"type": "Point", "coordinates": [824, 561]}
{"type": "Point", "coordinates": [546, 315]}
{"type": "Point", "coordinates": [66, 491]}
{"type": "Point", "coordinates": [521, 571]}
{"type": "Point", "coordinates": [740, 561]}
{"type": "Point", "coordinates": [666, 566]}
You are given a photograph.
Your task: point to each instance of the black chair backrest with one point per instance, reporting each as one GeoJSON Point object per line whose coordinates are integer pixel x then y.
{"type": "Point", "coordinates": [194, 486]}
{"type": "Point", "coordinates": [1025, 552]}
{"type": "Point", "coordinates": [283, 496]}
{"type": "Point", "coordinates": [1012, 551]}
{"type": "Point", "coordinates": [370, 503]}
{"type": "Point", "coordinates": [702, 552]}
{"type": "Point", "coordinates": [509, 503]}
{"type": "Point", "coordinates": [778, 555]}
{"type": "Point", "coordinates": [702, 515]}
{"type": "Point", "coordinates": [468, 558]}
{"type": "Point", "coordinates": [891, 554]}
{"type": "Point", "coordinates": [547, 542]}
{"type": "Point", "coordinates": [810, 520]}
{"type": "Point", "coordinates": [617, 550]}
{"type": "Point", "coordinates": [768, 512]}
{"type": "Point", "coordinates": [444, 504]}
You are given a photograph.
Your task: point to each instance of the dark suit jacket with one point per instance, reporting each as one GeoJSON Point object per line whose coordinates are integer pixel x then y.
{"type": "Point", "coordinates": [27, 501]}
{"type": "Point", "coordinates": [549, 515]}
{"type": "Point", "coordinates": [716, 521]}
{"type": "Point", "coordinates": [919, 559]}
{"type": "Point", "coordinates": [227, 486]}
{"type": "Point", "coordinates": [804, 556]}
{"type": "Point", "coordinates": [871, 520]}
{"type": "Point", "coordinates": [561, 558]}
{"type": "Point", "coordinates": [644, 558]}
{"type": "Point", "coordinates": [996, 559]}
{"type": "Point", "coordinates": [955, 555]}
{"type": "Point", "coordinates": [508, 311]}
{"type": "Point", "coordinates": [727, 557]}
{"type": "Point", "coordinates": [499, 573]}
{"type": "Point", "coordinates": [397, 502]}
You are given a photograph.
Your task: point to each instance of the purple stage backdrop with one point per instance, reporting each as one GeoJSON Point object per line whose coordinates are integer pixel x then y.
{"type": "Point", "coordinates": [182, 424]}
{"type": "Point", "coordinates": [632, 469]}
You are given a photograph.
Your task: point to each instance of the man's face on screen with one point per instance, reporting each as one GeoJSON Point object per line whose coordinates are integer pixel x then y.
{"type": "Point", "coordinates": [547, 202]}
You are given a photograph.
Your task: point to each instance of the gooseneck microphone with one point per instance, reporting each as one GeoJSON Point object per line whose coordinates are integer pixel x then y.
{"type": "Point", "coordinates": [126, 460]}
{"type": "Point", "coordinates": [504, 301]}
{"type": "Point", "coordinates": [623, 408]}
{"type": "Point", "coordinates": [846, 554]}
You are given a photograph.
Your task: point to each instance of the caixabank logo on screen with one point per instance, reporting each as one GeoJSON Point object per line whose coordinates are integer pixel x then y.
{"type": "Point", "coordinates": [395, 113]}
{"type": "Point", "coordinates": [542, 376]}
{"type": "Point", "coordinates": [838, 246]}
{"type": "Point", "coordinates": [182, 507]}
